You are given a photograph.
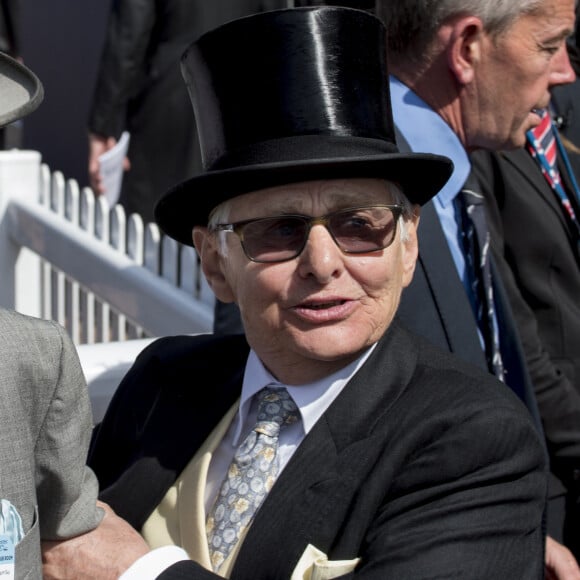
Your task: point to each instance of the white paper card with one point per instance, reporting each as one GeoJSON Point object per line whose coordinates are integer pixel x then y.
{"type": "Point", "coordinates": [111, 168]}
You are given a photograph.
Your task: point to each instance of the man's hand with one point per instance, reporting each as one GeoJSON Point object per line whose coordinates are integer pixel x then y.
{"type": "Point", "coordinates": [560, 563]}
{"type": "Point", "coordinates": [97, 146]}
{"type": "Point", "coordinates": [105, 553]}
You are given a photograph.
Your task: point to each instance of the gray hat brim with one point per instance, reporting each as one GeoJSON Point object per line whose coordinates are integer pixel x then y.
{"type": "Point", "coordinates": [20, 90]}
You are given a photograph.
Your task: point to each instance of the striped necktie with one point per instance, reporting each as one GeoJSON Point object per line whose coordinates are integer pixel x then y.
{"type": "Point", "coordinates": [543, 145]}
{"type": "Point", "coordinates": [476, 246]}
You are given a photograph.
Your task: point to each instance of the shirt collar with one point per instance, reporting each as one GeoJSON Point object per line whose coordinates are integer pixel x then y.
{"type": "Point", "coordinates": [312, 399]}
{"type": "Point", "coordinates": [412, 115]}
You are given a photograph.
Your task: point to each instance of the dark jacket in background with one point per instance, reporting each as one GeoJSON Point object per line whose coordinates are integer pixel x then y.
{"type": "Point", "coordinates": [9, 29]}
{"type": "Point", "coordinates": [140, 89]}
{"type": "Point", "coordinates": [539, 244]}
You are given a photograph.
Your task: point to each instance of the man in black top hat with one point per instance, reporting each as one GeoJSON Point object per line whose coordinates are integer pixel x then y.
{"type": "Point", "coordinates": [327, 441]}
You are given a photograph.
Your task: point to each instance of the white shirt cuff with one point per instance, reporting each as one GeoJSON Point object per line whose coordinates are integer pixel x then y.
{"type": "Point", "coordinates": [149, 566]}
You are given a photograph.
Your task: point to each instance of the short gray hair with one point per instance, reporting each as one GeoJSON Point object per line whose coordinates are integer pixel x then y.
{"type": "Point", "coordinates": [221, 214]}
{"type": "Point", "coordinates": [412, 24]}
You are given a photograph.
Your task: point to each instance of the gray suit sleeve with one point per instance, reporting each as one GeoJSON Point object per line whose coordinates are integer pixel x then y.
{"type": "Point", "coordinates": [66, 488]}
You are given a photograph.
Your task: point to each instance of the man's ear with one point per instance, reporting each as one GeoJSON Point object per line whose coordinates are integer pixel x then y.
{"type": "Point", "coordinates": [410, 247]}
{"type": "Point", "coordinates": [212, 263]}
{"type": "Point", "coordinates": [464, 47]}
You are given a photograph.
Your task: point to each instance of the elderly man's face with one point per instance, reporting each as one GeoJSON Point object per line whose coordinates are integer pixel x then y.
{"type": "Point", "coordinates": [313, 314]}
{"type": "Point", "coordinates": [514, 76]}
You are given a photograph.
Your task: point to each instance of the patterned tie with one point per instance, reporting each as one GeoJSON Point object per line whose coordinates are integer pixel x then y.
{"type": "Point", "coordinates": [541, 143]}
{"type": "Point", "coordinates": [544, 146]}
{"type": "Point", "coordinates": [476, 238]}
{"type": "Point", "coordinates": [251, 474]}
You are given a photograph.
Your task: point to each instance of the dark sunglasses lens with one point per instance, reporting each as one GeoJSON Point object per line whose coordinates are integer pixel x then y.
{"type": "Point", "coordinates": [274, 239]}
{"type": "Point", "coordinates": [363, 230]}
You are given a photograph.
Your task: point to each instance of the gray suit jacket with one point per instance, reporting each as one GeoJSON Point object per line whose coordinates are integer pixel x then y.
{"type": "Point", "coordinates": [45, 426]}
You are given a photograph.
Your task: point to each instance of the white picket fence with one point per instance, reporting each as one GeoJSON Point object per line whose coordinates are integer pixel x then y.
{"type": "Point", "coordinates": [111, 281]}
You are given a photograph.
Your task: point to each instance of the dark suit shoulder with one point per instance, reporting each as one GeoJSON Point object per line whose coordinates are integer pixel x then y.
{"type": "Point", "coordinates": [178, 386]}
{"type": "Point", "coordinates": [203, 349]}
{"type": "Point", "coordinates": [447, 381]}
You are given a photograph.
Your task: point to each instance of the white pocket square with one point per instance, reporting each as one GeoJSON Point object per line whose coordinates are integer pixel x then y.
{"type": "Point", "coordinates": [315, 565]}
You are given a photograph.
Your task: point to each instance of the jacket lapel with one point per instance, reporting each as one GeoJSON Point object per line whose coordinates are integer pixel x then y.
{"type": "Point", "coordinates": [525, 165]}
{"type": "Point", "coordinates": [313, 496]}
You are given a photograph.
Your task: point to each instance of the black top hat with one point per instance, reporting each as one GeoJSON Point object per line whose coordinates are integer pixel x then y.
{"type": "Point", "coordinates": [20, 90]}
{"type": "Point", "coordinates": [287, 96]}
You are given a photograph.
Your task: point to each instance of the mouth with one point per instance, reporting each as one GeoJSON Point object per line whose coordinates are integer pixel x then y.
{"type": "Point", "coordinates": [323, 305]}
{"type": "Point", "coordinates": [326, 311]}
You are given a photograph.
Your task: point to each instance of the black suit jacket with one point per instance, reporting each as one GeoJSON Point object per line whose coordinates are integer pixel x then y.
{"type": "Point", "coordinates": [423, 466]}
{"type": "Point", "coordinates": [539, 246]}
{"type": "Point", "coordinates": [436, 306]}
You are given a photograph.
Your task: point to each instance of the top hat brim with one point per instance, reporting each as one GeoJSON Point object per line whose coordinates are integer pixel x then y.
{"type": "Point", "coordinates": [189, 203]}
{"type": "Point", "coordinates": [20, 90]}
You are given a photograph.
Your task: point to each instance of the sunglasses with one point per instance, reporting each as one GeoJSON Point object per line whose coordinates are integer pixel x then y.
{"type": "Point", "coordinates": [356, 230]}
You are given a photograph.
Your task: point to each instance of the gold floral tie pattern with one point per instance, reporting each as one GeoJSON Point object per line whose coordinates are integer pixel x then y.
{"type": "Point", "coordinates": [251, 474]}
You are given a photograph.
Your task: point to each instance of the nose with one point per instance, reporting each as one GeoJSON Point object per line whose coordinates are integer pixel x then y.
{"type": "Point", "coordinates": [562, 72]}
{"type": "Point", "coordinates": [321, 257]}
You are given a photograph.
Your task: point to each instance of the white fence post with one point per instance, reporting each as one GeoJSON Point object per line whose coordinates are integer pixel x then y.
{"type": "Point", "coordinates": [20, 270]}
{"type": "Point", "coordinates": [102, 276]}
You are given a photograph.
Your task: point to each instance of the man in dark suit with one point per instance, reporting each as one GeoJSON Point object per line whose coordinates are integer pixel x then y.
{"type": "Point", "coordinates": [470, 77]}
{"type": "Point", "coordinates": [138, 78]}
{"type": "Point", "coordinates": [535, 226]}
{"type": "Point", "coordinates": [395, 459]}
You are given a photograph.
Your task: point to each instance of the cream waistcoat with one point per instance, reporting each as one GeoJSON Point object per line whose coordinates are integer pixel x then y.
{"type": "Point", "coordinates": [179, 519]}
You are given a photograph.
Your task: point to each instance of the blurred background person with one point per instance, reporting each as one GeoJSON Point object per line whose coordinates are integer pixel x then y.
{"type": "Point", "coordinates": [9, 30]}
{"type": "Point", "coordinates": [139, 89]}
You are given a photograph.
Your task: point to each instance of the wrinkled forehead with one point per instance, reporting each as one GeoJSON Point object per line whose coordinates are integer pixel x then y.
{"type": "Point", "coordinates": [313, 197]}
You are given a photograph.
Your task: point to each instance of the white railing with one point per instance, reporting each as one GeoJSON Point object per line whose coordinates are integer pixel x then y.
{"type": "Point", "coordinates": [66, 256]}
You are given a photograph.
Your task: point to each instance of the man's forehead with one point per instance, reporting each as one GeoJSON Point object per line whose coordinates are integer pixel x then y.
{"type": "Point", "coordinates": [552, 13]}
{"type": "Point", "coordinates": [334, 191]}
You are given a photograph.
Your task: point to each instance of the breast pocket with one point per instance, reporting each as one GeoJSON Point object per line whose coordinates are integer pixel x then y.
{"type": "Point", "coordinates": [27, 553]}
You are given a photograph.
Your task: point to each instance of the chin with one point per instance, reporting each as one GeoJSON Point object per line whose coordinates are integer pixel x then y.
{"type": "Point", "coordinates": [330, 347]}
{"type": "Point", "coordinates": [516, 142]}
{"type": "Point", "coordinates": [516, 139]}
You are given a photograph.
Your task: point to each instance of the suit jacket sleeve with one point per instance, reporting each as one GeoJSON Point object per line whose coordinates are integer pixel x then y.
{"type": "Point", "coordinates": [123, 66]}
{"type": "Point", "coordinates": [66, 489]}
